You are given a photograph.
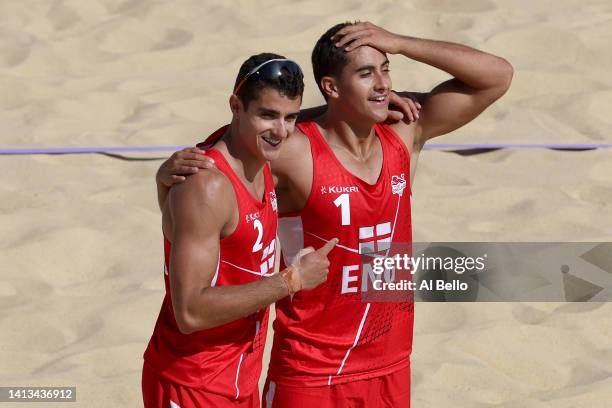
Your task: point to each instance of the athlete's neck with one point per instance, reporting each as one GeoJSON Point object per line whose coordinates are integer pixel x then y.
{"type": "Point", "coordinates": [357, 138]}
{"type": "Point", "coordinates": [242, 161]}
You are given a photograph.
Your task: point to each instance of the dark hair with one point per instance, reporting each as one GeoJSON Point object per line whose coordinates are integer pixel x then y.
{"type": "Point", "coordinates": [287, 85]}
{"type": "Point", "coordinates": [327, 59]}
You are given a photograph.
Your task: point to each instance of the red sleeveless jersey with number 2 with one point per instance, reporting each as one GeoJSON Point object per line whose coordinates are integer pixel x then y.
{"type": "Point", "coordinates": [224, 360]}
{"type": "Point", "coordinates": [329, 335]}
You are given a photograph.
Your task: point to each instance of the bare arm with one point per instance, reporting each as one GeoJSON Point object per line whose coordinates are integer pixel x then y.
{"type": "Point", "coordinates": [162, 188]}
{"type": "Point", "coordinates": [479, 78]}
{"type": "Point", "coordinates": [199, 211]}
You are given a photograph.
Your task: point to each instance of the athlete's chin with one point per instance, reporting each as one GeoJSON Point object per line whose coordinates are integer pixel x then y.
{"type": "Point", "coordinates": [270, 154]}
{"type": "Point", "coordinates": [378, 115]}
{"type": "Point", "coordinates": [270, 149]}
{"type": "Point", "coordinates": [377, 112]}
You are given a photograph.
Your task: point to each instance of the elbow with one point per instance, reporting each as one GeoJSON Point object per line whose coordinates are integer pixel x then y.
{"type": "Point", "coordinates": [188, 323]}
{"type": "Point", "coordinates": [188, 311]}
{"type": "Point", "coordinates": [185, 323]}
{"type": "Point", "coordinates": [185, 329]}
{"type": "Point", "coordinates": [500, 81]}
{"type": "Point", "coordinates": [505, 75]}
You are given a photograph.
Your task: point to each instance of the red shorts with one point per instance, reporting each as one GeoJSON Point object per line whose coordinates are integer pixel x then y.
{"type": "Point", "coordinates": [389, 391]}
{"type": "Point", "coordinates": [158, 392]}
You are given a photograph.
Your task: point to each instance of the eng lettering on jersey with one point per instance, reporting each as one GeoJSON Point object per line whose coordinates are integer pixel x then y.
{"type": "Point", "coordinates": [351, 273]}
{"type": "Point", "coordinates": [339, 189]}
{"type": "Point", "coordinates": [398, 184]}
{"type": "Point", "coordinates": [374, 241]}
{"type": "Point", "coordinates": [252, 217]}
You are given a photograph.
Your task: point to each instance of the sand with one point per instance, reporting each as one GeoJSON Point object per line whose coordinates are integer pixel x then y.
{"type": "Point", "coordinates": [81, 244]}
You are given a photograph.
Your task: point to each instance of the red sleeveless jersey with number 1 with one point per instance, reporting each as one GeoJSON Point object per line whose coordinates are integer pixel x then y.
{"type": "Point", "coordinates": [224, 360]}
{"type": "Point", "coordinates": [329, 335]}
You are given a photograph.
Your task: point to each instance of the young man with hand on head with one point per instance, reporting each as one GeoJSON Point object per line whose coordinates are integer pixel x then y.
{"type": "Point", "coordinates": [347, 174]}
{"type": "Point", "coordinates": [220, 237]}
{"type": "Point", "coordinates": [330, 347]}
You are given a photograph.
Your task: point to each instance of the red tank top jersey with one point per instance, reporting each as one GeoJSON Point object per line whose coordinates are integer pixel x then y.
{"type": "Point", "coordinates": [224, 360]}
{"type": "Point", "coordinates": [329, 335]}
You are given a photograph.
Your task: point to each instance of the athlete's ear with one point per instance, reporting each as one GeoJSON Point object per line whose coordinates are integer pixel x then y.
{"type": "Point", "coordinates": [329, 86]}
{"type": "Point", "coordinates": [235, 105]}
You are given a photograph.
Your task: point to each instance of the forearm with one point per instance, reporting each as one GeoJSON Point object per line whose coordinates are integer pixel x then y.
{"type": "Point", "coordinates": [218, 305]}
{"type": "Point", "coordinates": [476, 69]}
{"type": "Point", "coordinates": [162, 191]}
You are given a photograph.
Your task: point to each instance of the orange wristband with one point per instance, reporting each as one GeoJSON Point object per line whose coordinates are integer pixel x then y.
{"type": "Point", "coordinates": [291, 279]}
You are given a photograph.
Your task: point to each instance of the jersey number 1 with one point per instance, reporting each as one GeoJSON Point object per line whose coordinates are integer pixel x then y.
{"type": "Point", "coordinates": [343, 201]}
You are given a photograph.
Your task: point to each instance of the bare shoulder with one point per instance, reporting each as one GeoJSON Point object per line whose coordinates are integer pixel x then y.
{"type": "Point", "coordinates": [208, 188]}
{"type": "Point", "coordinates": [295, 143]}
{"type": "Point", "coordinates": [408, 133]}
{"type": "Point", "coordinates": [295, 153]}
{"type": "Point", "coordinates": [293, 172]}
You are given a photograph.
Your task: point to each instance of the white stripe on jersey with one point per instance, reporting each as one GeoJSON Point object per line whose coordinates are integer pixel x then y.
{"type": "Point", "coordinates": [365, 313]}
{"type": "Point", "coordinates": [363, 319]}
{"type": "Point", "coordinates": [237, 374]}
{"type": "Point", "coordinates": [338, 245]}
{"type": "Point", "coordinates": [258, 273]}
{"type": "Point", "coordinates": [399, 199]}
{"type": "Point", "coordinates": [214, 279]}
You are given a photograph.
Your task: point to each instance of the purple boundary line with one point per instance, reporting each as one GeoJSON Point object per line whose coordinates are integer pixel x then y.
{"type": "Point", "coordinates": [441, 146]}
{"type": "Point", "coordinates": [79, 150]}
{"type": "Point", "coordinates": [519, 146]}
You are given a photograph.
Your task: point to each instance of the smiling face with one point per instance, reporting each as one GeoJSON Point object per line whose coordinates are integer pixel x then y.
{"type": "Point", "coordinates": [363, 86]}
{"type": "Point", "coordinates": [267, 122]}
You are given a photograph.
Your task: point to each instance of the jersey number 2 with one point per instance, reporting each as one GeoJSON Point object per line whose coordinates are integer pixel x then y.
{"type": "Point", "coordinates": [259, 227]}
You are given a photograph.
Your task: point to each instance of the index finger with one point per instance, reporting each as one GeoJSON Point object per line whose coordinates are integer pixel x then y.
{"type": "Point", "coordinates": [197, 157]}
{"type": "Point", "coordinates": [346, 30]}
{"type": "Point", "coordinates": [402, 104]}
{"type": "Point", "coordinates": [329, 245]}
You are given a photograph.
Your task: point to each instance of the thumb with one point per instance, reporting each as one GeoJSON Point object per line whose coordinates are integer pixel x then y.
{"type": "Point", "coordinates": [329, 245]}
{"type": "Point", "coordinates": [298, 257]}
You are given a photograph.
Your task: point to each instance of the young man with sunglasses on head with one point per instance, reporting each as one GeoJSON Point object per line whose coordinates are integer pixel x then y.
{"type": "Point", "coordinates": [219, 238]}
{"type": "Point", "coordinates": [330, 348]}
